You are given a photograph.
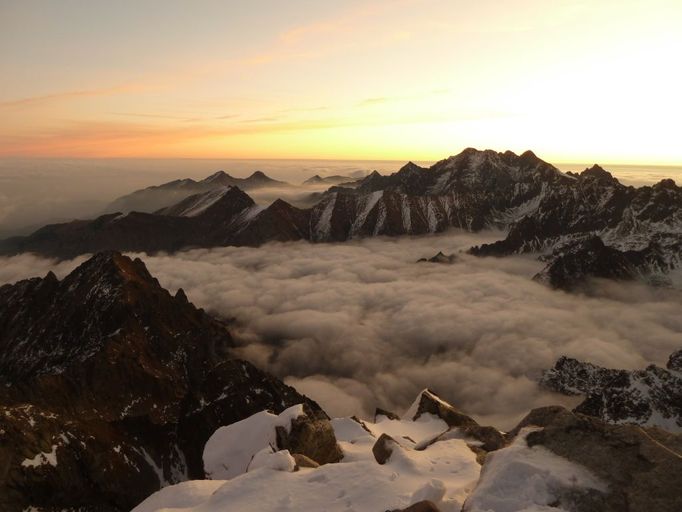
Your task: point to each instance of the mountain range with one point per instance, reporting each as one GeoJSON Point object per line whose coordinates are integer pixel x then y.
{"type": "Point", "coordinates": [153, 198]}
{"type": "Point", "coordinates": [582, 225]}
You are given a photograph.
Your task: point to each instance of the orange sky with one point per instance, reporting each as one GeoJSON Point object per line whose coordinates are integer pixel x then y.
{"type": "Point", "coordinates": [589, 81]}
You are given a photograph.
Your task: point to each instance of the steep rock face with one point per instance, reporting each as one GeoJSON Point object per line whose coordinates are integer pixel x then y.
{"type": "Point", "coordinates": [642, 468]}
{"type": "Point", "coordinates": [651, 397]}
{"type": "Point", "coordinates": [110, 387]}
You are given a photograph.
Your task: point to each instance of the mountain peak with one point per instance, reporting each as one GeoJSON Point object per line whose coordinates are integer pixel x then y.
{"type": "Point", "coordinates": [259, 175]}
{"type": "Point", "coordinates": [410, 167]}
{"type": "Point", "coordinates": [313, 180]}
{"type": "Point", "coordinates": [217, 177]}
{"type": "Point", "coordinates": [112, 268]}
{"type": "Point", "coordinates": [666, 184]}
{"type": "Point", "coordinates": [596, 171]}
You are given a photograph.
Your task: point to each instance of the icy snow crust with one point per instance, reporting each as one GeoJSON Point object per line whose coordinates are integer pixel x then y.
{"type": "Point", "coordinates": [249, 476]}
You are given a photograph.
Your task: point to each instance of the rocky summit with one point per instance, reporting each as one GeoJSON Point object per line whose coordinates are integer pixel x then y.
{"type": "Point", "coordinates": [110, 387]}
{"type": "Point", "coordinates": [582, 225]}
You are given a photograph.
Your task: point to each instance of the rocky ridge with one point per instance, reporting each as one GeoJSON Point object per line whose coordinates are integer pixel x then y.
{"type": "Point", "coordinates": [648, 397]}
{"type": "Point", "coordinates": [110, 387]}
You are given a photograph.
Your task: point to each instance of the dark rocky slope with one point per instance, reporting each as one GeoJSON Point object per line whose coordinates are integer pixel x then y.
{"type": "Point", "coordinates": [110, 387]}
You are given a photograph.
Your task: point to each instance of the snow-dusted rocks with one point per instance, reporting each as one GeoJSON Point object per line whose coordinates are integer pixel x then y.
{"type": "Point", "coordinates": [553, 460]}
{"type": "Point", "coordinates": [268, 440]}
{"type": "Point", "coordinates": [428, 403]}
{"type": "Point", "coordinates": [416, 470]}
{"type": "Point", "coordinates": [649, 397]}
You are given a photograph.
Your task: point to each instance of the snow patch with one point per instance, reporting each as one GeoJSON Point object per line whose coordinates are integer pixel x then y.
{"type": "Point", "coordinates": [231, 449]}
{"type": "Point", "coordinates": [42, 459]}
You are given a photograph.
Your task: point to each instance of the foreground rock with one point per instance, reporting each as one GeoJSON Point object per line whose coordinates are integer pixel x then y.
{"type": "Point", "coordinates": [553, 460]}
{"type": "Point", "coordinates": [649, 397]}
{"type": "Point", "coordinates": [391, 464]}
{"type": "Point", "coordinates": [640, 468]}
{"type": "Point", "coordinates": [110, 387]}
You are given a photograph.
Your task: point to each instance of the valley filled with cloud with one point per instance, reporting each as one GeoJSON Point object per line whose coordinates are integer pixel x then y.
{"type": "Point", "coordinates": [362, 324]}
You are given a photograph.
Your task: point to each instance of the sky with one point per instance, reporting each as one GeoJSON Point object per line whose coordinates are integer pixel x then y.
{"type": "Point", "coordinates": [574, 81]}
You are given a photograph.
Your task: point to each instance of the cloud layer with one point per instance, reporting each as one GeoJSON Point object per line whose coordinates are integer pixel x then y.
{"type": "Point", "coordinates": [360, 324]}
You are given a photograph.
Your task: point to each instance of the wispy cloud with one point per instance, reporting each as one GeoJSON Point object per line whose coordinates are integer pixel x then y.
{"type": "Point", "coordinates": [69, 95]}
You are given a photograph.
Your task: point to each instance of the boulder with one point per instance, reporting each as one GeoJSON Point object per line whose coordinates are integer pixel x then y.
{"type": "Point", "coordinates": [383, 448]}
{"type": "Point", "coordinates": [311, 435]}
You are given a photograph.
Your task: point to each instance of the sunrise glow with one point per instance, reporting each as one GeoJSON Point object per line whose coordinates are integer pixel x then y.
{"type": "Point", "coordinates": [405, 79]}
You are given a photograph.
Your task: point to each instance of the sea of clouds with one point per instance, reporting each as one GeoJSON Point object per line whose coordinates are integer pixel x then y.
{"type": "Point", "coordinates": [361, 324]}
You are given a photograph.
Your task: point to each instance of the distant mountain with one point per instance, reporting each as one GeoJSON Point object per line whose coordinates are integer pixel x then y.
{"type": "Point", "coordinates": [159, 196]}
{"type": "Point", "coordinates": [328, 180]}
{"type": "Point", "coordinates": [220, 217]}
{"type": "Point", "coordinates": [583, 225]}
{"type": "Point", "coordinates": [110, 388]}
{"type": "Point", "coordinates": [649, 397]}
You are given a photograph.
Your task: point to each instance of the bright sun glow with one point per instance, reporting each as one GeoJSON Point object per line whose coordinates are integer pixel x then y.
{"type": "Point", "coordinates": [405, 79]}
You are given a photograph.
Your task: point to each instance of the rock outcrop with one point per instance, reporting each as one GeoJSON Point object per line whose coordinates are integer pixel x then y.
{"type": "Point", "coordinates": [429, 403]}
